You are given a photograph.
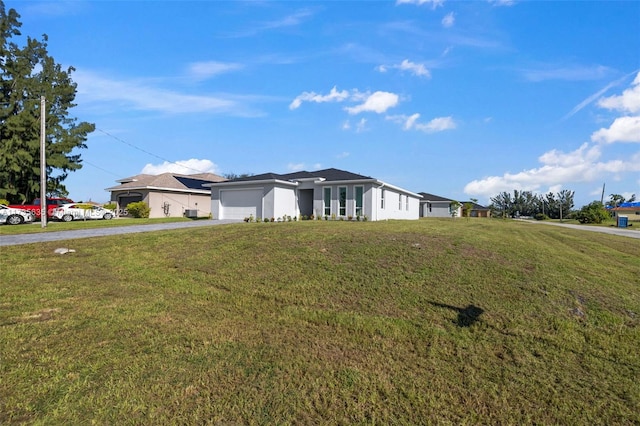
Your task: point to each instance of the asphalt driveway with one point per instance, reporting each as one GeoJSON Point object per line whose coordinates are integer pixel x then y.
{"type": "Point", "coordinates": [12, 240]}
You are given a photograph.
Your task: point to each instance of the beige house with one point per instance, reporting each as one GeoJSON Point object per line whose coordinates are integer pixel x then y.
{"type": "Point", "coordinates": [167, 194]}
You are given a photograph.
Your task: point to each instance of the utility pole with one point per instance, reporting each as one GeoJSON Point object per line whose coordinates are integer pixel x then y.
{"type": "Point", "coordinates": [43, 166]}
{"type": "Point", "coordinates": [602, 196]}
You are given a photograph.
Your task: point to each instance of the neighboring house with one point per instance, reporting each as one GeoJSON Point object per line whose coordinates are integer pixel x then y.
{"type": "Point", "coordinates": [436, 206]}
{"type": "Point", "coordinates": [631, 210]}
{"type": "Point", "coordinates": [167, 194]}
{"type": "Point", "coordinates": [476, 209]}
{"type": "Point", "coordinates": [329, 193]}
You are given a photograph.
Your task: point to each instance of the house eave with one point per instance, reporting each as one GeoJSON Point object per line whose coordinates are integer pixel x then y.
{"type": "Point", "coordinates": [250, 183]}
{"type": "Point", "coordinates": [158, 188]}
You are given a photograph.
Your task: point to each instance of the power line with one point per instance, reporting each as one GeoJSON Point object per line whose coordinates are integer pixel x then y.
{"type": "Point", "coordinates": [147, 152]}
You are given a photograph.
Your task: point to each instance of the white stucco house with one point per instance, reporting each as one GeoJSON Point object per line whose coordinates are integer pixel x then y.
{"type": "Point", "coordinates": [328, 193]}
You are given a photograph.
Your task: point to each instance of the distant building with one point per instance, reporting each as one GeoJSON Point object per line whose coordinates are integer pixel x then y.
{"type": "Point", "coordinates": [167, 194]}
{"type": "Point", "coordinates": [632, 210]}
{"type": "Point", "coordinates": [437, 206]}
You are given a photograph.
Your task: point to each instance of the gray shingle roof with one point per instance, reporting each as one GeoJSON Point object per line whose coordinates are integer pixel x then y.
{"type": "Point", "coordinates": [327, 174]}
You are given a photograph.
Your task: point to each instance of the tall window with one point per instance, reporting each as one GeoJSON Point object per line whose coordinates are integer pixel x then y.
{"type": "Point", "coordinates": [399, 201]}
{"type": "Point", "coordinates": [359, 200]}
{"type": "Point", "coordinates": [382, 198]}
{"type": "Point", "coordinates": [342, 197]}
{"type": "Point", "coordinates": [327, 201]}
{"type": "Point", "coordinates": [406, 203]}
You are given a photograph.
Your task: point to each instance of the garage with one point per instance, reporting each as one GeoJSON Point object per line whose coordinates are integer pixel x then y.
{"type": "Point", "coordinates": [240, 203]}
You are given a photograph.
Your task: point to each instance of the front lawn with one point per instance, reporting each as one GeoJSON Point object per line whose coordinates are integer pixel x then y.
{"type": "Point", "coordinates": [315, 322]}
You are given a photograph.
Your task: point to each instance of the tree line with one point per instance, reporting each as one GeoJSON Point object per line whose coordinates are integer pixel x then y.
{"type": "Point", "coordinates": [526, 203]}
{"type": "Point", "coordinates": [553, 206]}
{"type": "Point", "coordinates": [27, 73]}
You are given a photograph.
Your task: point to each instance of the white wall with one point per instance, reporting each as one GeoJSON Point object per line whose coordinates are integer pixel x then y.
{"type": "Point", "coordinates": [395, 205]}
{"type": "Point", "coordinates": [284, 202]}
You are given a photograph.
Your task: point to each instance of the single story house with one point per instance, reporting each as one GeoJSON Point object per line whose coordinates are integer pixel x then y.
{"type": "Point", "coordinates": [330, 193]}
{"type": "Point", "coordinates": [631, 210]}
{"type": "Point", "coordinates": [476, 209]}
{"type": "Point", "coordinates": [167, 194]}
{"type": "Point", "coordinates": [436, 206]}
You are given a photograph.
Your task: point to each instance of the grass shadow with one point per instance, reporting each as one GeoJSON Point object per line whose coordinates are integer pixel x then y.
{"type": "Point", "coordinates": [466, 316]}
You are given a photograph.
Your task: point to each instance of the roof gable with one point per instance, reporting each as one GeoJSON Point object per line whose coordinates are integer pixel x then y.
{"type": "Point", "coordinates": [168, 181]}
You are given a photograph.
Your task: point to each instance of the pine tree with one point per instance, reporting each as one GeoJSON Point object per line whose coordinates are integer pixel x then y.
{"type": "Point", "coordinates": [26, 74]}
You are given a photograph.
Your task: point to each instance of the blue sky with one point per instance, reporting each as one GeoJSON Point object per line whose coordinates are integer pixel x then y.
{"type": "Point", "coordinates": [462, 99]}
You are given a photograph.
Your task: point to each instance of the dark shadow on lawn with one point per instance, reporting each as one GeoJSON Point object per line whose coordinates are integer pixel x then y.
{"type": "Point", "coordinates": [466, 316]}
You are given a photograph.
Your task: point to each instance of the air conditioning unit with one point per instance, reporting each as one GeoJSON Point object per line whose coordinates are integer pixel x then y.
{"type": "Point", "coordinates": [191, 213]}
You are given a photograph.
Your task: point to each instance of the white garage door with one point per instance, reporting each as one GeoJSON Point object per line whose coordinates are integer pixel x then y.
{"type": "Point", "coordinates": [241, 203]}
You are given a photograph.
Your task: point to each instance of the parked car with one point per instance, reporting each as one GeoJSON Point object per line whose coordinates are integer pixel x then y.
{"type": "Point", "coordinates": [36, 208]}
{"type": "Point", "coordinates": [13, 216]}
{"type": "Point", "coordinates": [78, 211]}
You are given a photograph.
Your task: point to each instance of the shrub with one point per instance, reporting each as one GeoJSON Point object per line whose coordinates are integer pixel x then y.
{"type": "Point", "coordinates": [541, 216]}
{"type": "Point", "coordinates": [110, 206]}
{"type": "Point", "coordinates": [139, 209]}
{"type": "Point", "coordinates": [4, 202]}
{"type": "Point", "coordinates": [592, 213]}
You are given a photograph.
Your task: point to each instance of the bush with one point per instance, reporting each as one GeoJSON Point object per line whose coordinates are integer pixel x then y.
{"type": "Point", "coordinates": [541, 216]}
{"type": "Point", "coordinates": [592, 213]}
{"type": "Point", "coordinates": [4, 202]}
{"type": "Point", "coordinates": [139, 209]}
{"type": "Point", "coordinates": [110, 206]}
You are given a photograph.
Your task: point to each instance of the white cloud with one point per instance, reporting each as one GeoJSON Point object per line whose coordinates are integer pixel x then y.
{"type": "Point", "coordinates": [144, 96]}
{"type": "Point", "coordinates": [295, 167]}
{"type": "Point", "coordinates": [623, 129]}
{"type": "Point", "coordinates": [567, 73]}
{"type": "Point", "coordinates": [204, 70]}
{"type": "Point", "coordinates": [628, 102]}
{"type": "Point", "coordinates": [361, 126]}
{"type": "Point", "coordinates": [557, 170]}
{"type": "Point", "coordinates": [342, 155]}
{"type": "Point", "coordinates": [448, 20]}
{"type": "Point", "coordinates": [583, 164]}
{"type": "Point", "coordinates": [185, 167]}
{"type": "Point", "coordinates": [333, 96]}
{"type": "Point", "coordinates": [502, 2]}
{"type": "Point", "coordinates": [438, 124]}
{"type": "Point", "coordinates": [292, 20]}
{"type": "Point", "coordinates": [406, 65]}
{"type": "Point", "coordinates": [377, 102]}
{"type": "Point", "coordinates": [433, 3]}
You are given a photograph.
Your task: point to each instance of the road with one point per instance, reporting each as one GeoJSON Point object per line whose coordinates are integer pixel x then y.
{"type": "Point", "coordinates": [622, 232]}
{"type": "Point", "coordinates": [13, 240]}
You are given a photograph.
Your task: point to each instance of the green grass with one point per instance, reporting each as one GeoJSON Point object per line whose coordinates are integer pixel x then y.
{"type": "Point", "coordinates": [54, 225]}
{"type": "Point", "coordinates": [413, 322]}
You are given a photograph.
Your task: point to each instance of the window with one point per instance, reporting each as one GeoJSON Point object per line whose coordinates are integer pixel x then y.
{"type": "Point", "coordinates": [327, 201]}
{"type": "Point", "coordinates": [406, 203]}
{"type": "Point", "coordinates": [382, 198]}
{"type": "Point", "coordinates": [359, 200]}
{"type": "Point", "coordinates": [342, 198]}
{"type": "Point", "coordinates": [429, 204]}
{"type": "Point", "coordinates": [399, 201]}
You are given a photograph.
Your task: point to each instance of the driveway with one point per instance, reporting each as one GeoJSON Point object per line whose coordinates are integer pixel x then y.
{"type": "Point", "coordinates": [13, 240]}
{"type": "Point", "coordinates": [622, 232]}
